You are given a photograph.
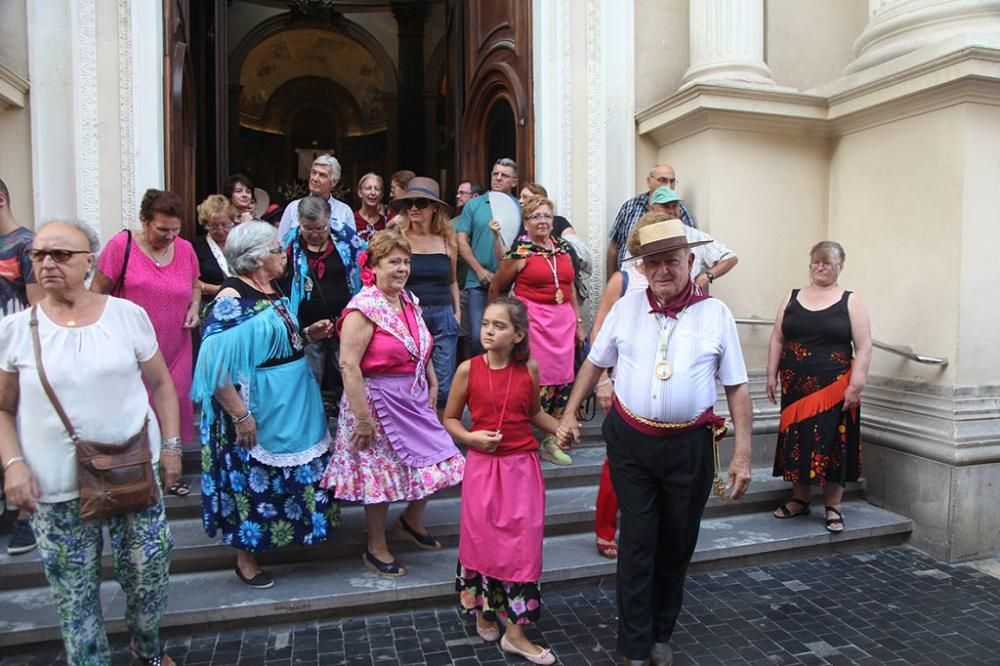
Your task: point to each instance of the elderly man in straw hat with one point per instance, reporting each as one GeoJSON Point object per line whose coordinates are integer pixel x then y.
{"type": "Point", "coordinates": [668, 344]}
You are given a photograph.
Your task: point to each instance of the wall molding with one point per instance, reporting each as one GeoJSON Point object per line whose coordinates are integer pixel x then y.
{"type": "Point", "coordinates": [88, 169]}
{"type": "Point", "coordinates": [970, 74]}
{"type": "Point", "coordinates": [126, 119]}
{"type": "Point", "coordinates": [13, 90]}
{"type": "Point", "coordinates": [597, 115]}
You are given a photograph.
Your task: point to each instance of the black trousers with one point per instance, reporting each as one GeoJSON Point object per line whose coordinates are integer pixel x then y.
{"type": "Point", "coordinates": [662, 485]}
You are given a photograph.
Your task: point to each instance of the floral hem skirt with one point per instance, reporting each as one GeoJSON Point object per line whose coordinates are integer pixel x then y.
{"type": "Point", "coordinates": [517, 603]}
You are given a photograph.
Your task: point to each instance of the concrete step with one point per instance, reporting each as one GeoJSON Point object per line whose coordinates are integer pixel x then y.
{"type": "Point", "coordinates": [322, 588]}
{"type": "Point", "coordinates": [568, 509]}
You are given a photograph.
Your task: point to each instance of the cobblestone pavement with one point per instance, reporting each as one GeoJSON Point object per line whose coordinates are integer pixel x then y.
{"type": "Point", "coordinates": [895, 606]}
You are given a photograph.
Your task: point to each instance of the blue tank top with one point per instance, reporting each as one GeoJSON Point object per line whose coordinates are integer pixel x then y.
{"type": "Point", "coordinates": [430, 278]}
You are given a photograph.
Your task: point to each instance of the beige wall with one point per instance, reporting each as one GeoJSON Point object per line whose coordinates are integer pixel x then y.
{"type": "Point", "coordinates": [661, 49]}
{"type": "Point", "coordinates": [15, 123]}
{"type": "Point", "coordinates": [809, 42]}
{"type": "Point", "coordinates": [109, 134]}
{"type": "Point", "coordinates": [901, 228]}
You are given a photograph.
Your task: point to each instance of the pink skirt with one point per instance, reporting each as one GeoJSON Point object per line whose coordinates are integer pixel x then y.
{"type": "Point", "coordinates": [552, 337]}
{"type": "Point", "coordinates": [503, 516]}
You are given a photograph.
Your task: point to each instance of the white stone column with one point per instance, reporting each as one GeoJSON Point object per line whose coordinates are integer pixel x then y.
{"type": "Point", "coordinates": [727, 43]}
{"type": "Point", "coordinates": [899, 27]}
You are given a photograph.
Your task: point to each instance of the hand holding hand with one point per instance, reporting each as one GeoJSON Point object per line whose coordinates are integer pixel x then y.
{"type": "Point", "coordinates": [484, 440]}
{"type": "Point", "coordinates": [568, 431]}
{"type": "Point", "coordinates": [320, 330]}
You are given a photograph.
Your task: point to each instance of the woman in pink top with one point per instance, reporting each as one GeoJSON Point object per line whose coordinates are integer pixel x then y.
{"type": "Point", "coordinates": [390, 446]}
{"type": "Point", "coordinates": [158, 271]}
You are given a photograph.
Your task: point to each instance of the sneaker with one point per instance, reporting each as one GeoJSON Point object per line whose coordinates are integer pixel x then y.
{"type": "Point", "coordinates": [22, 539]}
{"type": "Point", "coordinates": [554, 454]}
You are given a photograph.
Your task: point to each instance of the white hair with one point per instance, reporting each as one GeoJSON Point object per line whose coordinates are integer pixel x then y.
{"type": "Point", "coordinates": [93, 240]}
{"type": "Point", "coordinates": [247, 245]}
{"type": "Point", "coordinates": [328, 160]}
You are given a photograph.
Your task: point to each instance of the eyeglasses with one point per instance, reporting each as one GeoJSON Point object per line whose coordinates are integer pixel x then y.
{"type": "Point", "coordinates": [58, 256]}
{"type": "Point", "coordinates": [663, 180]}
{"type": "Point", "coordinates": [219, 225]}
{"type": "Point", "coordinates": [540, 216]}
{"type": "Point", "coordinates": [419, 204]}
{"type": "Point", "coordinates": [275, 250]}
{"type": "Point", "coordinates": [823, 264]}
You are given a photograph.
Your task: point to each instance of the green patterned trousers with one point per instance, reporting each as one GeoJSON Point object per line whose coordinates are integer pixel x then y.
{"type": "Point", "coordinates": [71, 555]}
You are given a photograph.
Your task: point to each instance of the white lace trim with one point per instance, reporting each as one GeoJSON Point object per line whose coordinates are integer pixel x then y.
{"type": "Point", "coordinates": [261, 454]}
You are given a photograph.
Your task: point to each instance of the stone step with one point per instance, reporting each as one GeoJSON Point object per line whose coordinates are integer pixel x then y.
{"type": "Point", "coordinates": [568, 509]}
{"type": "Point", "coordinates": [201, 600]}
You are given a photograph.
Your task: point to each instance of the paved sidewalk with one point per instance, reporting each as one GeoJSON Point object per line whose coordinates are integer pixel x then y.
{"type": "Point", "coordinates": [895, 606]}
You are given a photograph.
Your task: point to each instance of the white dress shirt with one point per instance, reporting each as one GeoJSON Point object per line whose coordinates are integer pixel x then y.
{"type": "Point", "coordinates": [340, 214]}
{"type": "Point", "coordinates": [702, 346]}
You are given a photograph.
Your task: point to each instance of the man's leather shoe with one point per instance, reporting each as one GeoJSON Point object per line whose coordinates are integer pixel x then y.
{"type": "Point", "coordinates": [661, 655]}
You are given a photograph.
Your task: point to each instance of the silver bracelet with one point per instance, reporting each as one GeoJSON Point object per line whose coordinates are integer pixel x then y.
{"type": "Point", "coordinates": [172, 444]}
{"type": "Point", "coordinates": [15, 459]}
{"type": "Point", "coordinates": [243, 418]}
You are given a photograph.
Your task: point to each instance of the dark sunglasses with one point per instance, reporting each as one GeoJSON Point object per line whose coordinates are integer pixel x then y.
{"type": "Point", "coordinates": [58, 256]}
{"type": "Point", "coordinates": [419, 204]}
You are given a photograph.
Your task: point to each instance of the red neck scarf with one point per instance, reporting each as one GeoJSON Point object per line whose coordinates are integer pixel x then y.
{"type": "Point", "coordinates": [317, 262]}
{"type": "Point", "coordinates": [689, 296]}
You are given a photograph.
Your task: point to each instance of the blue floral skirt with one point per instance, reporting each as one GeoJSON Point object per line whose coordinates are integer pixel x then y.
{"type": "Point", "coordinates": [259, 507]}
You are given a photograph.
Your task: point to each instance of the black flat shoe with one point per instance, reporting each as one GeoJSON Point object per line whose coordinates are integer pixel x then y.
{"type": "Point", "coordinates": [425, 541]}
{"type": "Point", "coordinates": [783, 511]}
{"type": "Point", "coordinates": [835, 525]}
{"type": "Point", "coordinates": [391, 569]}
{"type": "Point", "coordinates": [261, 581]}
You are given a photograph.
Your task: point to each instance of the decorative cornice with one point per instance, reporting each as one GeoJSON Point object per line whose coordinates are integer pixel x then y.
{"type": "Point", "coordinates": [13, 90]}
{"type": "Point", "coordinates": [126, 118]}
{"type": "Point", "coordinates": [857, 102]}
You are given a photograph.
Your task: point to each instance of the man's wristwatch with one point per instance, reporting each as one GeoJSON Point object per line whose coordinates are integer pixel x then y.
{"type": "Point", "coordinates": [711, 276]}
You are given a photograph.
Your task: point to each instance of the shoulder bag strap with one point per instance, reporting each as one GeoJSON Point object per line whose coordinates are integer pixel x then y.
{"type": "Point", "coordinates": [120, 283]}
{"type": "Point", "coordinates": [37, 345]}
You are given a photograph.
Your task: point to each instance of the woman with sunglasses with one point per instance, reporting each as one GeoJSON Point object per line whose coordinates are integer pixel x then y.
{"type": "Point", "coordinates": [265, 436]}
{"type": "Point", "coordinates": [158, 271]}
{"type": "Point", "coordinates": [97, 351]}
{"type": "Point", "coordinates": [425, 222]}
{"type": "Point", "coordinates": [539, 267]}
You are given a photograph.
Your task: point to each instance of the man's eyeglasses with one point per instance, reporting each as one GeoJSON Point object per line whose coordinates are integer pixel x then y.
{"type": "Point", "coordinates": [419, 204]}
{"type": "Point", "coordinates": [540, 216]}
{"type": "Point", "coordinates": [58, 256]}
{"type": "Point", "coordinates": [663, 180]}
{"type": "Point", "coordinates": [823, 264]}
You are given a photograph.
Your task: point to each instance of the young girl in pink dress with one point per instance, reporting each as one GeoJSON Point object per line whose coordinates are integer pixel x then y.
{"type": "Point", "coordinates": [503, 494]}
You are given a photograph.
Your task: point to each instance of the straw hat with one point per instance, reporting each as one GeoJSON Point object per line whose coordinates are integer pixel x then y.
{"type": "Point", "coordinates": [663, 237]}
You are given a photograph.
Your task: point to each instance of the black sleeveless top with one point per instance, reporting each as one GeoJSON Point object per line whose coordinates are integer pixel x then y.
{"type": "Point", "coordinates": [430, 278]}
{"type": "Point", "coordinates": [825, 334]}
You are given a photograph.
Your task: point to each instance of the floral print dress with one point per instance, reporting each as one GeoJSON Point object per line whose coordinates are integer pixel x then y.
{"type": "Point", "coordinates": [817, 440]}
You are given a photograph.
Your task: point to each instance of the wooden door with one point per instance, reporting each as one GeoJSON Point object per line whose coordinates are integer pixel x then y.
{"type": "Point", "coordinates": [180, 118]}
{"type": "Point", "coordinates": [498, 102]}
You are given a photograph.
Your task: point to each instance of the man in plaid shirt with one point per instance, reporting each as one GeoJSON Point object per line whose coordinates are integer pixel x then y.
{"type": "Point", "coordinates": [636, 207]}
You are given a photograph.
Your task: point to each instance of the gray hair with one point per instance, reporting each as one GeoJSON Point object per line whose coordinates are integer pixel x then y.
{"type": "Point", "coordinates": [829, 248]}
{"type": "Point", "coordinates": [328, 160]}
{"type": "Point", "coordinates": [313, 207]}
{"type": "Point", "coordinates": [657, 166]}
{"type": "Point", "coordinates": [507, 162]}
{"type": "Point", "coordinates": [247, 245]}
{"type": "Point", "coordinates": [93, 240]}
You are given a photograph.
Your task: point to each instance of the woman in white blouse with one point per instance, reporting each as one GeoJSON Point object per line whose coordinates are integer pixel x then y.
{"type": "Point", "coordinates": [96, 351]}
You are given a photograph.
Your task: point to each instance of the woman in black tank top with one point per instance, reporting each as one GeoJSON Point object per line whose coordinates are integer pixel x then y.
{"type": "Point", "coordinates": [819, 353]}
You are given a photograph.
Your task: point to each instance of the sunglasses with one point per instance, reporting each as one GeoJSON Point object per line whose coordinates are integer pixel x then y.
{"type": "Point", "coordinates": [58, 256]}
{"type": "Point", "coordinates": [275, 250]}
{"type": "Point", "coordinates": [419, 204]}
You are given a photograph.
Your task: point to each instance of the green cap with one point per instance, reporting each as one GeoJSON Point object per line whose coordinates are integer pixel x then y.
{"type": "Point", "coordinates": [664, 195]}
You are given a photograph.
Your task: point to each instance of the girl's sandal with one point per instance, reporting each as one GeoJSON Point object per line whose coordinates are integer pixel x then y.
{"type": "Point", "coordinates": [783, 511]}
{"type": "Point", "coordinates": [608, 549]}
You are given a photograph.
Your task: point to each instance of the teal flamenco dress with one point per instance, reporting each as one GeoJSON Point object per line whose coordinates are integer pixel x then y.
{"type": "Point", "coordinates": [269, 496]}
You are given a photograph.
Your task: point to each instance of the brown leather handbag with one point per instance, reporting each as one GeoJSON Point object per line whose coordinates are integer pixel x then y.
{"type": "Point", "coordinates": [113, 478]}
